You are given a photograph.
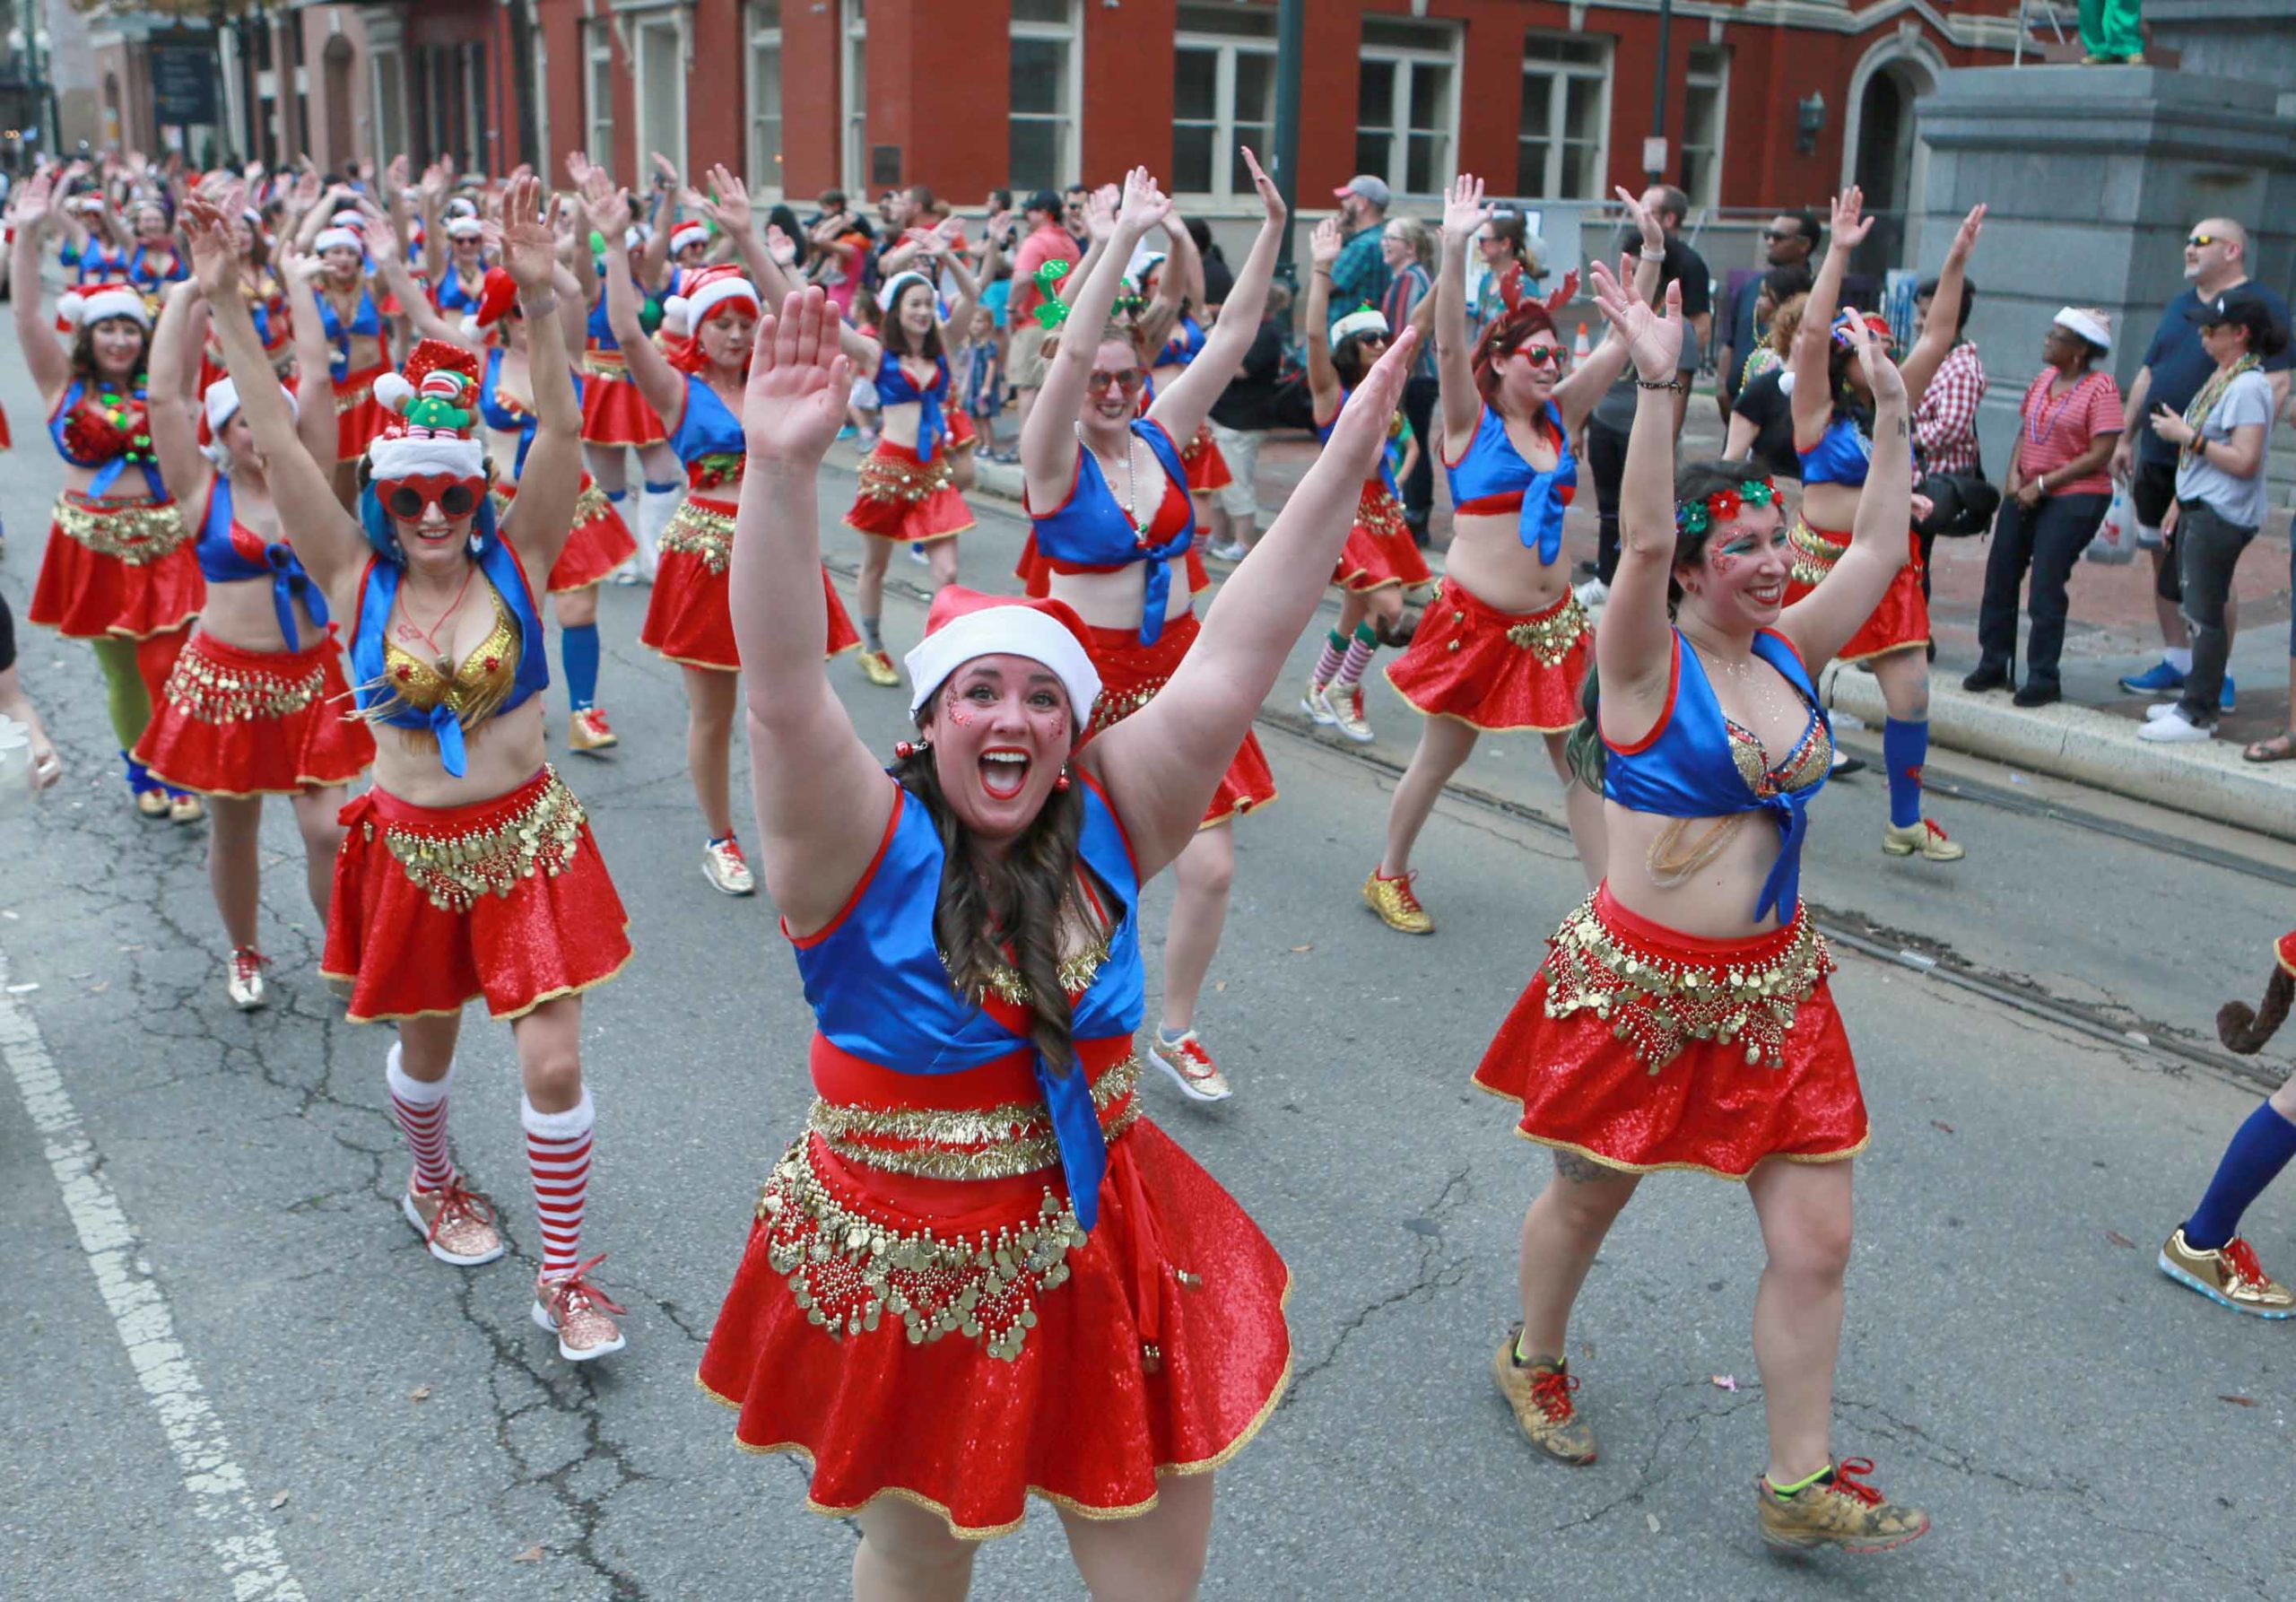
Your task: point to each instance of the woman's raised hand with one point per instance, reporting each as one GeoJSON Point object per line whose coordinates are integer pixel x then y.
{"type": "Point", "coordinates": [1965, 237]}
{"type": "Point", "coordinates": [1851, 224]}
{"type": "Point", "coordinates": [1464, 211]}
{"type": "Point", "coordinates": [799, 384]}
{"type": "Point", "coordinates": [1145, 204]}
{"type": "Point", "coordinates": [609, 207]}
{"type": "Point", "coordinates": [30, 207]}
{"type": "Point", "coordinates": [779, 246]}
{"type": "Point", "coordinates": [1100, 212]}
{"type": "Point", "coordinates": [1882, 375]}
{"type": "Point", "coordinates": [215, 259]}
{"type": "Point", "coordinates": [1270, 196]}
{"type": "Point", "coordinates": [296, 265]}
{"type": "Point", "coordinates": [579, 168]}
{"type": "Point", "coordinates": [1654, 340]}
{"type": "Point", "coordinates": [1323, 245]}
{"type": "Point", "coordinates": [728, 204]}
{"type": "Point", "coordinates": [529, 249]}
{"type": "Point", "coordinates": [1645, 221]}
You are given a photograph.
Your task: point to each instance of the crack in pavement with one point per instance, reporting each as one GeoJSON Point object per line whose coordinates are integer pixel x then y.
{"type": "Point", "coordinates": [1428, 1277]}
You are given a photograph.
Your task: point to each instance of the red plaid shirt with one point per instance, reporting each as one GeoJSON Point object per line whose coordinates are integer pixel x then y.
{"type": "Point", "coordinates": [1944, 424]}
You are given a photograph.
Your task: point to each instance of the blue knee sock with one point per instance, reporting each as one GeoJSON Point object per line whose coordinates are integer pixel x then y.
{"type": "Point", "coordinates": [2260, 1149]}
{"type": "Point", "coordinates": [618, 497]}
{"type": "Point", "coordinates": [654, 489]}
{"type": "Point", "coordinates": [1905, 747]}
{"type": "Point", "coordinates": [578, 648]}
{"type": "Point", "coordinates": [139, 777]}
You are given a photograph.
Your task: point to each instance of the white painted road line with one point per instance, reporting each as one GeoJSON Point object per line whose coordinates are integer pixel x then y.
{"type": "Point", "coordinates": [238, 1535]}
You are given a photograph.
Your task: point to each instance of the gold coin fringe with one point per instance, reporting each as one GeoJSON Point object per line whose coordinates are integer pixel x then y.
{"type": "Point", "coordinates": [214, 693]}
{"type": "Point", "coordinates": [455, 869]}
{"type": "Point", "coordinates": [1814, 554]}
{"type": "Point", "coordinates": [1379, 514]}
{"type": "Point", "coordinates": [134, 535]}
{"type": "Point", "coordinates": [1551, 636]}
{"type": "Point", "coordinates": [885, 478]}
{"type": "Point", "coordinates": [987, 1143]}
{"type": "Point", "coordinates": [849, 1272]}
{"type": "Point", "coordinates": [1659, 1006]}
{"type": "Point", "coordinates": [700, 532]}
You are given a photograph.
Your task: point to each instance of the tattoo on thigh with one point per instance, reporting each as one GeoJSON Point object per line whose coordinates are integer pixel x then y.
{"type": "Point", "coordinates": [1582, 1170]}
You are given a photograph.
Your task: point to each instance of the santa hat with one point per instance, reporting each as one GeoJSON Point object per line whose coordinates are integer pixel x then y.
{"type": "Point", "coordinates": [497, 291]}
{"type": "Point", "coordinates": [87, 307]}
{"type": "Point", "coordinates": [2094, 325]}
{"type": "Point", "coordinates": [963, 625]}
{"type": "Point", "coordinates": [1363, 320]}
{"type": "Point", "coordinates": [329, 238]}
{"type": "Point", "coordinates": [221, 404]}
{"type": "Point", "coordinates": [709, 290]}
{"type": "Point", "coordinates": [436, 397]}
{"type": "Point", "coordinates": [466, 228]}
{"type": "Point", "coordinates": [889, 295]}
{"type": "Point", "coordinates": [693, 233]}
{"type": "Point", "coordinates": [462, 206]}
{"type": "Point", "coordinates": [348, 218]}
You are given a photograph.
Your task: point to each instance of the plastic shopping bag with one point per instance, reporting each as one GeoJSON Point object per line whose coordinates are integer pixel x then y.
{"type": "Point", "coordinates": [2116, 541]}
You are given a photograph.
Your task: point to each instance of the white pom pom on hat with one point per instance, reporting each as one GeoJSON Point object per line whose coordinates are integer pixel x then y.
{"type": "Point", "coordinates": [393, 391]}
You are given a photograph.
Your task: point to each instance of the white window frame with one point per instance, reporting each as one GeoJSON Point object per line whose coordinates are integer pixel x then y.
{"type": "Point", "coordinates": [647, 32]}
{"type": "Point", "coordinates": [1558, 111]}
{"type": "Point", "coordinates": [1404, 57]}
{"type": "Point", "coordinates": [764, 165]}
{"type": "Point", "coordinates": [597, 90]}
{"type": "Point", "coordinates": [853, 99]}
{"type": "Point", "coordinates": [1071, 33]}
{"type": "Point", "coordinates": [540, 88]}
{"type": "Point", "coordinates": [1717, 79]}
{"type": "Point", "coordinates": [1229, 46]}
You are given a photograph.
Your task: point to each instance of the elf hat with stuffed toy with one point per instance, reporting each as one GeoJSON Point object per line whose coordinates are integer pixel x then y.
{"type": "Point", "coordinates": [436, 397]}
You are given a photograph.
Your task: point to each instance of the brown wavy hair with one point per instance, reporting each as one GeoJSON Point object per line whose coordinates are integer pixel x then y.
{"type": "Point", "coordinates": [2245, 1030]}
{"type": "Point", "coordinates": [1499, 340]}
{"type": "Point", "coordinates": [1013, 898]}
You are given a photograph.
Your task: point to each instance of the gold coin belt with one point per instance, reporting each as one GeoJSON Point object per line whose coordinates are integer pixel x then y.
{"type": "Point", "coordinates": [697, 531]}
{"type": "Point", "coordinates": [1551, 636]}
{"type": "Point", "coordinates": [454, 870]}
{"type": "Point", "coordinates": [136, 535]}
{"type": "Point", "coordinates": [214, 693]}
{"type": "Point", "coordinates": [884, 478]}
{"type": "Point", "coordinates": [985, 1143]}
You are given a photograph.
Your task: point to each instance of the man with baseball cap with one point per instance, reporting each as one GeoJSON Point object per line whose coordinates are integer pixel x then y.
{"type": "Point", "coordinates": [1358, 278]}
{"type": "Point", "coordinates": [1046, 241]}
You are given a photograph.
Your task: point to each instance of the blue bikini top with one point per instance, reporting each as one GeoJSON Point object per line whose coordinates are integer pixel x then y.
{"type": "Point", "coordinates": [379, 698]}
{"type": "Point", "coordinates": [1386, 467]}
{"type": "Point", "coordinates": [706, 427]}
{"type": "Point", "coordinates": [1184, 344]}
{"type": "Point", "coordinates": [896, 387]}
{"type": "Point", "coordinates": [139, 273]}
{"type": "Point", "coordinates": [230, 552]}
{"type": "Point", "coordinates": [508, 416]}
{"type": "Point", "coordinates": [1491, 476]}
{"type": "Point", "coordinates": [99, 264]}
{"type": "Point", "coordinates": [1841, 457]}
{"type": "Point", "coordinates": [366, 322]}
{"type": "Point", "coordinates": [1089, 529]}
{"type": "Point", "coordinates": [1696, 763]}
{"type": "Point", "coordinates": [880, 992]}
{"type": "Point", "coordinates": [130, 422]}
{"type": "Point", "coordinates": [451, 296]}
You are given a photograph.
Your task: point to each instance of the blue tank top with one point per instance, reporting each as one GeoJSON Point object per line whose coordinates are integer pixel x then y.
{"type": "Point", "coordinates": [452, 296]}
{"type": "Point", "coordinates": [1695, 763]}
{"type": "Point", "coordinates": [880, 990]}
{"type": "Point", "coordinates": [1090, 528]}
{"type": "Point", "coordinates": [1184, 344]}
{"type": "Point", "coordinates": [230, 552]}
{"type": "Point", "coordinates": [1386, 467]}
{"type": "Point", "coordinates": [1492, 475]}
{"type": "Point", "coordinates": [379, 589]}
{"type": "Point", "coordinates": [366, 322]}
{"type": "Point", "coordinates": [896, 387]}
{"type": "Point", "coordinates": [1841, 455]}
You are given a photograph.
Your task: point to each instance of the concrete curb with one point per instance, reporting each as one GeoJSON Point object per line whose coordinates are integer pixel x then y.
{"type": "Point", "coordinates": [2092, 748]}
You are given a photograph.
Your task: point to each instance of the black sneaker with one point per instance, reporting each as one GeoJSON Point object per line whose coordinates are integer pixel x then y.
{"type": "Point", "coordinates": [2037, 694]}
{"type": "Point", "coordinates": [1986, 678]}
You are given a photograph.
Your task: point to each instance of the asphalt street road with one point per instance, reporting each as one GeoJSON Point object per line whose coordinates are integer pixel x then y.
{"type": "Point", "coordinates": [233, 1371]}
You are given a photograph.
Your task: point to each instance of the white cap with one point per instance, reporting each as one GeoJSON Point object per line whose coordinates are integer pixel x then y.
{"type": "Point", "coordinates": [466, 228]}
{"type": "Point", "coordinates": [2095, 326]}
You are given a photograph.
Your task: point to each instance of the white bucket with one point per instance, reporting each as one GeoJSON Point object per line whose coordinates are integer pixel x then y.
{"type": "Point", "coordinates": [15, 768]}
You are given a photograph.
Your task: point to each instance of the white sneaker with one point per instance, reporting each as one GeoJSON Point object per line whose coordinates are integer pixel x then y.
{"type": "Point", "coordinates": [245, 985]}
{"type": "Point", "coordinates": [2171, 728]}
{"type": "Point", "coordinates": [1317, 704]}
{"type": "Point", "coordinates": [2160, 708]}
{"type": "Point", "coordinates": [726, 869]}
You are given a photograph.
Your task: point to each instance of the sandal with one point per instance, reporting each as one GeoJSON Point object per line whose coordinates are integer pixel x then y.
{"type": "Point", "coordinates": [2279, 748]}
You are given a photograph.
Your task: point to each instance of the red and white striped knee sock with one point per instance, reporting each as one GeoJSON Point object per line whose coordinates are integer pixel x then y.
{"type": "Point", "coordinates": [1333, 653]}
{"type": "Point", "coordinates": [1359, 656]}
{"type": "Point", "coordinates": [558, 1151]}
{"type": "Point", "coordinates": [420, 1105]}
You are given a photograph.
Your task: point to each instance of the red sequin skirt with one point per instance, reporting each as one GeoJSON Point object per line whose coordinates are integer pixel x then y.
{"type": "Point", "coordinates": [1132, 673]}
{"type": "Point", "coordinates": [234, 722]}
{"type": "Point", "coordinates": [690, 619]}
{"type": "Point", "coordinates": [359, 417]}
{"type": "Point", "coordinates": [113, 569]}
{"type": "Point", "coordinates": [436, 906]}
{"type": "Point", "coordinates": [1899, 621]}
{"type": "Point", "coordinates": [1379, 549]}
{"type": "Point", "coordinates": [1201, 458]}
{"type": "Point", "coordinates": [1614, 1054]}
{"type": "Point", "coordinates": [902, 497]}
{"type": "Point", "coordinates": [8, 441]}
{"type": "Point", "coordinates": [598, 543]}
{"type": "Point", "coordinates": [612, 410]}
{"type": "Point", "coordinates": [1497, 670]}
{"type": "Point", "coordinates": [1076, 1368]}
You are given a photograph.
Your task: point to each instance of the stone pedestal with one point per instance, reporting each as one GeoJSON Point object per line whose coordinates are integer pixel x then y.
{"type": "Point", "coordinates": [2094, 174]}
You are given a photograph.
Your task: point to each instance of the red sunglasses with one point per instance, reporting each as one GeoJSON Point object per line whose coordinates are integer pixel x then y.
{"type": "Point", "coordinates": [1541, 355]}
{"type": "Point", "coordinates": [405, 498]}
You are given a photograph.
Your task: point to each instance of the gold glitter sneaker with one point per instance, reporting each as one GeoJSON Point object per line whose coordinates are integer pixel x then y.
{"type": "Point", "coordinates": [1838, 1510]}
{"type": "Point", "coordinates": [2229, 1276]}
{"type": "Point", "coordinates": [877, 667]}
{"type": "Point", "coordinates": [1191, 1067]}
{"type": "Point", "coordinates": [587, 730]}
{"type": "Point", "coordinates": [726, 869]}
{"type": "Point", "coordinates": [184, 808]}
{"type": "Point", "coordinates": [576, 1312]}
{"type": "Point", "coordinates": [1397, 908]}
{"type": "Point", "coordinates": [455, 1223]}
{"type": "Point", "coordinates": [1924, 839]}
{"type": "Point", "coordinates": [1346, 703]}
{"type": "Point", "coordinates": [1539, 1393]}
{"type": "Point", "coordinates": [152, 806]}
{"type": "Point", "coordinates": [245, 985]}
{"type": "Point", "coordinates": [1317, 704]}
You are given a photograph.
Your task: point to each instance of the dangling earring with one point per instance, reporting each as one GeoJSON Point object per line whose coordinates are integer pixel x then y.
{"type": "Point", "coordinates": [906, 749]}
{"type": "Point", "coordinates": [1061, 782]}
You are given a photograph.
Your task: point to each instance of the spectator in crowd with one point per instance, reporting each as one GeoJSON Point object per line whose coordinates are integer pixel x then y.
{"type": "Point", "coordinates": [1687, 266]}
{"type": "Point", "coordinates": [836, 249]}
{"type": "Point", "coordinates": [2056, 495]}
{"type": "Point", "coordinates": [1045, 240]}
{"type": "Point", "coordinates": [1790, 240]}
{"type": "Point", "coordinates": [1945, 423]}
{"type": "Point", "coordinates": [1000, 223]}
{"type": "Point", "coordinates": [17, 707]}
{"type": "Point", "coordinates": [1502, 247]}
{"type": "Point", "coordinates": [984, 381]}
{"type": "Point", "coordinates": [1360, 277]}
{"type": "Point", "coordinates": [2176, 365]}
{"type": "Point", "coordinates": [2113, 33]}
{"type": "Point", "coordinates": [2220, 439]}
{"type": "Point", "coordinates": [1408, 252]}
{"type": "Point", "coordinates": [1072, 218]}
{"type": "Point", "coordinates": [1241, 419]}
{"type": "Point", "coordinates": [1761, 424]}
{"type": "Point", "coordinates": [1219, 277]}
{"type": "Point", "coordinates": [1773, 290]}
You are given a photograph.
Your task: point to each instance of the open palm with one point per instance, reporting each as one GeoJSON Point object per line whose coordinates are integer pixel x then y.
{"type": "Point", "coordinates": [798, 383]}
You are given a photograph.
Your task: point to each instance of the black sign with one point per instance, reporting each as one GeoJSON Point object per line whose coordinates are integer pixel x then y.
{"type": "Point", "coordinates": [182, 84]}
{"type": "Point", "coordinates": [884, 166]}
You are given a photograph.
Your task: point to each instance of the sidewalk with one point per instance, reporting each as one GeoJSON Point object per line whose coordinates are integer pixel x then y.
{"type": "Point", "coordinates": [2091, 737]}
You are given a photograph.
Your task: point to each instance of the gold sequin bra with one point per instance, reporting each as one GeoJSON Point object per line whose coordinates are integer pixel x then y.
{"type": "Point", "coordinates": [475, 690]}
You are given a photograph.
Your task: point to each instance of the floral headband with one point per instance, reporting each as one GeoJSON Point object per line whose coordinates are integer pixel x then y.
{"type": "Point", "coordinates": [1696, 517]}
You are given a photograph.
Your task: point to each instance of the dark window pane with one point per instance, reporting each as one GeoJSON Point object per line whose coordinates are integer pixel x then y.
{"type": "Point", "coordinates": [1425, 166]}
{"type": "Point", "coordinates": [1033, 153]}
{"type": "Point", "coordinates": [1530, 169]}
{"type": "Point", "coordinates": [1256, 22]}
{"type": "Point", "coordinates": [1040, 11]}
{"type": "Point", "coordinates": [1192, 164]}
{"type": "Point", "coordinates": [1040, 76]}
{"type": "Point", "coordinates": [1375, 95]}
{"type": "Point", "coordinates": [1431, 97]}
{"type": "Point", "coordinates": [1195, 84]}
{"type": "Point", "coordinates": [1255, 87]}
{"type": "Point", "coordinates": [1538, 105]}
{"type": "Point", "coordinates": [1371, 154]}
